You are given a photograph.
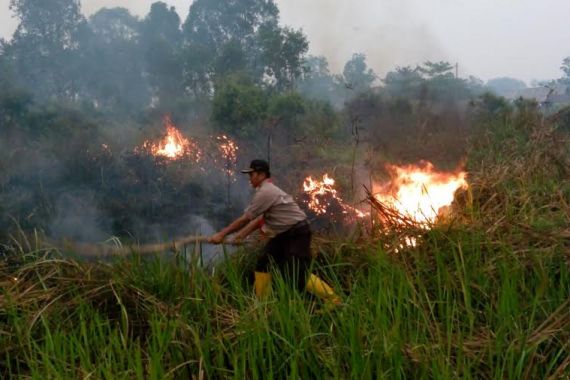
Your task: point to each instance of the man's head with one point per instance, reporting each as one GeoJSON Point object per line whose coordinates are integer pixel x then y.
{"type": "Point", "coordinates": [258, 171]}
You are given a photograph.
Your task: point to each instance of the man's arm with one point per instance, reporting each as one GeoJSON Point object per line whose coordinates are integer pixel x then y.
{"type": "Point", "coordinates": [251, 226]}
{"type": "Point", "coordinates": [233, 226]}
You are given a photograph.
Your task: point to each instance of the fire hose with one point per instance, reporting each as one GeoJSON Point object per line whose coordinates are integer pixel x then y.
{"type": "Point", "coordinates": [106, 250]}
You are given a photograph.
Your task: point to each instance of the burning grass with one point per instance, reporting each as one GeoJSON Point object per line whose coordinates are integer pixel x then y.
{"type": "Point", "coordinates": [173, 145]}
{"type": "Point", "coordinates": [483, 294]}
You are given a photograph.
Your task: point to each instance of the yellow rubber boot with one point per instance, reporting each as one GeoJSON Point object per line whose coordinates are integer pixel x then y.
{"type": "Point", "coordinates": [262, 284]}
{"type": "Point", "coordinates": [322, 290]}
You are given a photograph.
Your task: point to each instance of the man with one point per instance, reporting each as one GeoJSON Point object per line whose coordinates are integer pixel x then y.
{"type": "Point", "coordinates": [289, 246]}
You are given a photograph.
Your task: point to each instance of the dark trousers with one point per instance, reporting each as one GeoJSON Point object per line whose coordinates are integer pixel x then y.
{"type": "Point", "coordinates": [290, 253]}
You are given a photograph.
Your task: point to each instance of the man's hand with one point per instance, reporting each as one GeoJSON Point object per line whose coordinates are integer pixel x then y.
{"type": "Point", "coordinates": [216, 238]}
{"type": "Point", "coordinates": [233, 226]}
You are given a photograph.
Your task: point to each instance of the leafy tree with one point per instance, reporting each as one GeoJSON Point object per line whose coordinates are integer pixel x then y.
{"type": "Point", "coordinates": [217, 29]}
{"type": "Point", "coordinates": [14, 103]}
{"type": "Point", "coordinates": [442, 85]}
{"type": "Point", "coordinates": [316, 80]}
{"type": "Point", "coordinates": [232, 58]}
{"type": "Point", "coordinates": [161, 43]}
{"type": "Point", "coordinates": [319, 123]}
{"type": "Point", "coordinates": [356, 73]}
{"type": "Point", "coordinates": [475, 85]}
{"type": "Point", "coordinates": [286, 107]}
{"type": "Point", "coordinates": [489, 107]}
{"type": "Point", "coordinates": [566, 69]}
{"type": "Point", "coordinates": [403, 82]}
{"type": "Point", "coordinates": [433, 70]}
{"type": "Point", "coordinates": [14, 106]}
{"type": "Point", "coordinates": [224, 37]}
{"type": "Point", "coordinates": [239, 106]}
{"type": "Point", "coordinates": [6, 71]}
{"type": "Point", "coordinates": [281, 52]}
{"type": "Point", "coordinates": [197, 69]}
{"type": "Point", "coordinates": [114, 24]}
{"type": "Point", "coordinates": [45, 46]}
{"type": "Point", "coordinates": [214, 22]}
{"type": "Point", "coordinates": [316, 67]}
{"type": "Point", "coordinates": [162, 23]}
{"type": "Point", "coordinates": [113, 61]}
{"type": "Point", "coordinates": [283, 113]}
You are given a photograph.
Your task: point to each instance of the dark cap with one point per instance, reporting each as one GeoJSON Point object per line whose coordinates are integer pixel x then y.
{"type": "Point", "coordinates": [257, 166]}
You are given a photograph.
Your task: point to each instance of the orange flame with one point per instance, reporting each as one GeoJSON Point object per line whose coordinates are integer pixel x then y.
{"type": "Point", "coordinates": [174, 145]}
{"type": "Point", "coordinates": [419, 191]}
{"type": "Point", "coordinates": [322, 194]}
{"type": "Point", "coordinates": [228, 150]}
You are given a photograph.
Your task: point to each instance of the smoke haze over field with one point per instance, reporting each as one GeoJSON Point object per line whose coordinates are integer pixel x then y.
{"type": "Point", "coordinates": [517, 38]}
{"type": "Point", "coordinates": [123, 124]}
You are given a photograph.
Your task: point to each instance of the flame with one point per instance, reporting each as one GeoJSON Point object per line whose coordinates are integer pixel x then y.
{"type": "Point", "coordinates": [174, 145]}
{"type": "Point", "coordinates": [419, 191]}
{"type": "Point", "coordinates": [322, 195]}
{"type": "Point", "coordinates": [228, 151]}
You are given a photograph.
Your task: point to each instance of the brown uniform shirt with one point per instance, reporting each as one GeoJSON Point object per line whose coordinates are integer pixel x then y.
{"type": "Point", "coordinates": [280, 212]}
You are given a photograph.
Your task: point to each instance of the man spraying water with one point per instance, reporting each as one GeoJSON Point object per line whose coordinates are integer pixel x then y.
{"type": "Point", "coordinates": [289, 247]}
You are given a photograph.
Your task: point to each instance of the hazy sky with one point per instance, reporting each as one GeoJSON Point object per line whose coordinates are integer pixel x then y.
{"type": "Point", "coordinates": [526, 39]}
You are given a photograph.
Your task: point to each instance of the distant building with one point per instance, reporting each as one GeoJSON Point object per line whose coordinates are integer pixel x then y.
{"type": "Point", "coordinates": [545, 96]}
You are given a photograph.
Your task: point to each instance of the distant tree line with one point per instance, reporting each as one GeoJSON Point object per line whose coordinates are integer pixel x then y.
{"type": "Point", "coordinates": [114, 59]}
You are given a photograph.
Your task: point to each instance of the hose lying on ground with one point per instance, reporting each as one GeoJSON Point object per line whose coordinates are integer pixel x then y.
{"type": "Point", "coordinates": [105, 250]}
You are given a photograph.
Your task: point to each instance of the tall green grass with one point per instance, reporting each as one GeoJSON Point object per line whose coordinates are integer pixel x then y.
{"type": "Point", "coordinates": [448, 309]}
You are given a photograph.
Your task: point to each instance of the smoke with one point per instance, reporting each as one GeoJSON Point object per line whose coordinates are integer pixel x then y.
{"type": "Point", "coordinates": [91, 189]}
{"type": "Point", "coordinates": [389, 33]}
{"type": "Point", "coordinates": [77, 217]}
{"type": "Point", "coordinates": [89, 184]}
{"type": "Point", "coordinates": [208, 254]}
